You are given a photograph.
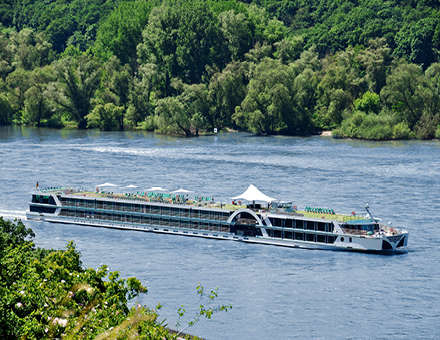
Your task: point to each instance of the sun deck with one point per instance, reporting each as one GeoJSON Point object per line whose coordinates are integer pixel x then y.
{"type": "Point", "coordinates": [201, 201]}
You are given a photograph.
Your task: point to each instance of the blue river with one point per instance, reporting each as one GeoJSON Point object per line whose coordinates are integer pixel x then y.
{"type": "Point", "coordinates": [276, 292]}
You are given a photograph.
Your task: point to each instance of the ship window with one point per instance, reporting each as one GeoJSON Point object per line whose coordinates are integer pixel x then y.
{"type": "Point", "coordinates": [42, 209]}
{"type": "Point", "coordinates": [155, 210]}
{"type": "Point", "coordinates": [288, 223]}
{"type": "Point", "coordinates": [195, 214]}
{"type": "Point", "coordinates": [299, 236]}
{"type": "Point", "coordinates": [310, 225]}
{"type": "Point", "coordinates": [175, 212]}
{"type": "Point", "coordinates": [310, 237]}
{"type": "Point", "coordinates": [320, 238]}
{"type": "Point", "coordinates": [204, 215]}
{"type": "Point", "coordinates": [321, 226]}
{"type": "Point", "coordinates": [330, 239]}
{"type": "Point", "coordinates": [269, 232]}
{"type": "Point", "coordinates": [155, 220]}
{"type": "Point", "coordinates": [276, 222]}
{"type": "Point", "coordinates": [350, 240]}
{"type": "Point", "coordinates": [288, 234]}
{"type": "Point", "coordinates": [218, 216]}
{"type": "Point", "coordinates": [185, 224]}
{"type": "Point", "coordinates": [299, 224]}
{"type": "Point", "coordinates": [225, 216]}
{"type": "Point", "coordinates": [277, 233]}
{"type": "Point", "coordinates": [166, 211]}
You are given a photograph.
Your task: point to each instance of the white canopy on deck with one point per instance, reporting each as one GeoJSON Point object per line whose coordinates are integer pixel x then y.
{"type": "Point", "coordinates": [253, 194]}
{"type": "Point", "coordinates": [156, 189]}
{"type": "Point", "coordinates": [107, 185]}
{"type": "Point", "coordinates": [181, 191]}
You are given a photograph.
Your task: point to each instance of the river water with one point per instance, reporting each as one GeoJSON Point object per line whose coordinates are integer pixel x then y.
{"type": "Point", "coordinates": [276, 292]}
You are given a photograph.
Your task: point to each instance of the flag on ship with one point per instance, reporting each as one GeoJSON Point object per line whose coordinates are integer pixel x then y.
{"type": "Point", "coordinates": [37, 185]}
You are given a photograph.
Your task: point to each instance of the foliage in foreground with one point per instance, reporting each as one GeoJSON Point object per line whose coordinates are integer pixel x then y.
{"type": "Point", "coordinates": [46, 294]}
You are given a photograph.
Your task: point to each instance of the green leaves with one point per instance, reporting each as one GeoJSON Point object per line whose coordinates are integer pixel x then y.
{"type": "Point", "coordinates": [46, 294]}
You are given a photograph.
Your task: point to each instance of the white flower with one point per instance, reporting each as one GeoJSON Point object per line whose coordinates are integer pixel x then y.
{"type": "Point", "coordinates": [62, 322]}
{"type": "Point", "coordinates": [19, 305]}
{"type": "Point", "coordinates": [46, 330]}
{"type": "Point", "coordinates": [62, 281]}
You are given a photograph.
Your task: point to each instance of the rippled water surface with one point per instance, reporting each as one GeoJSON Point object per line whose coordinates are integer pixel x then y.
{"type": "Point", "coordinates": [276, 292]}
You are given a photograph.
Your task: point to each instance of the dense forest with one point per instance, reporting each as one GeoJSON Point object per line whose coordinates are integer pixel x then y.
{"type": "Point", "coordinates": [363, 69]}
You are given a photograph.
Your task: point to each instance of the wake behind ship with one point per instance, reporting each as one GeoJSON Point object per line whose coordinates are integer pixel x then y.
{"type": "Point", "coordinates": [251, 217]}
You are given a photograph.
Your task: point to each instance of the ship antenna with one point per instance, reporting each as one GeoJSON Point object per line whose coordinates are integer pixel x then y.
{"type": "Point", "coordinates": [367, 208]}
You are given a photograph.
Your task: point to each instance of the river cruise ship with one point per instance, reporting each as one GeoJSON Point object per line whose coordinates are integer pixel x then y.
{"type": "Point", "coordinates": [251, 217]}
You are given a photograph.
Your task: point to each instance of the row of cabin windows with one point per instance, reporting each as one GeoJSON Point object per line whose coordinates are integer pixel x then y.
{"type": "Point", "coordinates": [151, 220]}
{"type": "Point", "coordinates": [301, 224]}
{"type": "Point", "coordinates": [146, 209]}
{"type": "Point", "coordinates": [294, 235]}
{"type": "Point", "coordinates": [42, 209]}
{"type": "Point", "coordinates": [43, 199]}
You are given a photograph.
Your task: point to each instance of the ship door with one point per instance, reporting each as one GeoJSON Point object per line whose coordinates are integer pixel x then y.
{"type": "Point", "coordinates": [246, 223]}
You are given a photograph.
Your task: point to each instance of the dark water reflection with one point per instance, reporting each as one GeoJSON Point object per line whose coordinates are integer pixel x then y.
{"type": "Point", "coordinates": [276, 292]}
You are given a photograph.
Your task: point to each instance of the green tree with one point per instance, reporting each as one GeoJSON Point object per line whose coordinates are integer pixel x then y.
{"type": "Point", "coordinates": [237, 32]}
{"type": "Point", "coordinates": [29, 49]}
{"type": "Point", "coordinates": [141, 93]}
{"type": "Point", "coordinates": [77, 81]}
{"type": "Point", "coordinates": [402, 92]}
{"type": "Point", "coordinates": [415, 42]}
{"type": "Point", "coordinates": [181, 37]}
{"type": "Point", "coordinates": [227, 89]}
{"type": "Point", "coordinates": [376, 59]}
{"type": "Point", "coordinates": [17, 83]}
{"type": "Point", "coordinates": [121, 32]}
{"type": "Point", "coordinates": [369, 103]}
{"type": "Point", "coordinates": [36, 106]}
{"type": "Point", "coordinates": [268, 106]}
{"type": "Point", "coordinates": [338, 88]}
{"type": "Point", "coordinates": [186, 112]}
{"type": "Point", "coordinates": [116, 84]}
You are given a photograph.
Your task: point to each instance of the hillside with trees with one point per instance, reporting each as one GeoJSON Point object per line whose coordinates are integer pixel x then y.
{"type": "Point", "coordinates": [364, 69]}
